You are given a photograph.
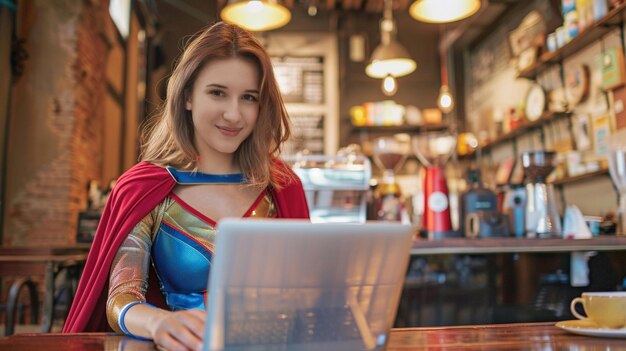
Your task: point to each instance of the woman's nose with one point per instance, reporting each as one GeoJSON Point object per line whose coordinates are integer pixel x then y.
{"type": "Point", "coordinates": [232, 112]}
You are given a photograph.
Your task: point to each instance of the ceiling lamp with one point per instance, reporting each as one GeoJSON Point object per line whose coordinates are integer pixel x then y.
{"type": "Point", "coordinates": [390, 58]}
{"type": "Point", "coordinates": [445, 101]}
{"type": "Point", "coordinates": [256, 15]}
{"type": "Point", "coordinates": [443, 11]}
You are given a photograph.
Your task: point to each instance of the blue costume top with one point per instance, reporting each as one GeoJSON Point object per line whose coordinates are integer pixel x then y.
{"type": "Point", "coordinates": [179, 241]}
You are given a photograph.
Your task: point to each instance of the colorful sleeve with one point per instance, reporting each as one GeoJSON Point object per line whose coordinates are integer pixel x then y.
{"type": "Point", "coordinates": [128, 278]}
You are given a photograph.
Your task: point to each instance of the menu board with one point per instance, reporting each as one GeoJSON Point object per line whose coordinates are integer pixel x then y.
{"type": "Point", "coordinates": [300, 79]}
{"type": "Point", "coordinates": [301, 82]}
{"type": "Point", "coordinates": [307, 133]}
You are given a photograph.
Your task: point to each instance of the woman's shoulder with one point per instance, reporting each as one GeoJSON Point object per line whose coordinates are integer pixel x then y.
{"type": "Point", "coordinates": [143, 174]}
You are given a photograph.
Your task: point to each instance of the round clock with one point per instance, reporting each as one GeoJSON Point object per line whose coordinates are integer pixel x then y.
{"type": "Point", "coordinates": [577, 83]}
{"type": "Point", "coordinates": [535, 102]}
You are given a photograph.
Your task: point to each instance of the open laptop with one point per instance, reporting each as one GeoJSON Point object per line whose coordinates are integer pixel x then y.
{"type": "Point", "coordinates": [293, 285]}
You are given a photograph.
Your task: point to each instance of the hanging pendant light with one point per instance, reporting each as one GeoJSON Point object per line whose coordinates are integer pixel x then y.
{"type": "Point", "coordinates": [445, 101]}
{"type": "Point", "coordinates": [256, 15]}
{"type": "Point", "coordinates": [390, 57]}
{"type": "Point", "coordinates": [443, 11]}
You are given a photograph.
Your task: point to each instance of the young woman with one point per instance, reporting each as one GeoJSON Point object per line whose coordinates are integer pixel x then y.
{"type": "Point", "coordinates": [210, 154]}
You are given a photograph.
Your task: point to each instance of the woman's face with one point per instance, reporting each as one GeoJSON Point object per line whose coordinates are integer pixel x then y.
{"type": "Point", "coordinates": [224, 105]}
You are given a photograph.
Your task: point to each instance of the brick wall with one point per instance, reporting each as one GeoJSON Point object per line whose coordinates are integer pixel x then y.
{"type": "Point", "coordinates": [55, 143]}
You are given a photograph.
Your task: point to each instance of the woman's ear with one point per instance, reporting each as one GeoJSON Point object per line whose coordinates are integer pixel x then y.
{"type": "Point", "coordinates": [187, 96]}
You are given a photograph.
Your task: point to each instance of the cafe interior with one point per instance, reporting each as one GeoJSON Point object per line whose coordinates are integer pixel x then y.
{"type": "Point", "coordinates": [495, 129]}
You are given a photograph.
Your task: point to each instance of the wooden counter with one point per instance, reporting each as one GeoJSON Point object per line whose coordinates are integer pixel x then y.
{"type": "Point", "coordinates": [532, 336]}
{"type": "Point", "coordinates": [514, 245]}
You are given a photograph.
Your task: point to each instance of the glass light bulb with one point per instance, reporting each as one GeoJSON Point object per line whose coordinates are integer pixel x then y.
{"type": "Point", "coordinates": [390, 85]}
{"type": "Point", "coordinates": [445, 100]}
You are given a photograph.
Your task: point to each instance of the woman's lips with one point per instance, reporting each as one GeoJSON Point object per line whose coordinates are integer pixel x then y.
{"type": "Point", "coordinates": [229, 131]}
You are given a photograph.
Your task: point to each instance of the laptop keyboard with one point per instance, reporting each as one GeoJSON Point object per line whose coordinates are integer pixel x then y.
{"type": "Point", "coordinates": [291, 327]}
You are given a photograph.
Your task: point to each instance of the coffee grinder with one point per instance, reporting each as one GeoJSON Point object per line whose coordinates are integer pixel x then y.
{"type": "Point", "coordinates": [434, 149]}
{"type": "Point", "coordinates": [542, 215]}
{"type": "Point", "coordinates": [389, 154]}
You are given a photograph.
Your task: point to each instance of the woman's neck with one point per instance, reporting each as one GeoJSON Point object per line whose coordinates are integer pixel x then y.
{"type": "Point", "coordinates": [218, 165]}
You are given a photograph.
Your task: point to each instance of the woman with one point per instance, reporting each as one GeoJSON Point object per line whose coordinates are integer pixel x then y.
{"type": "Point", "coordinates": [210, 154]}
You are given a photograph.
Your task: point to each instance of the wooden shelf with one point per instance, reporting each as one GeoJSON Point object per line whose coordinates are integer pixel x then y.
{"type": "Point", "coordinates": [514, 245]}
{"type": "Point", "coordinates": [581, 177]}
{"type": "Point", "coordinates": [598, 29]}
{"type": "Point", "coordinates": [400, 128]}
{"type": "Point", "coordinates": [546, 118]}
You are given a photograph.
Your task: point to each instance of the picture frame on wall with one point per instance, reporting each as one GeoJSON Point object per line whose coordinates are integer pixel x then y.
{"type": "Point", "coordinates": [612, 68]}
{"type": "Point", "coordinates": [87, 226]}
{"type": "Point", "coordinates": [582, 132]}
{"type": "Point", "coordinates": [619, 107]}
{"type": "Point", "coordinates": [601, 126]}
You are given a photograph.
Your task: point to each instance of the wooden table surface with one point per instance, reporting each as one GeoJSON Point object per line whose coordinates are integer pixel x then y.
{"type": "Point", "coordinates": [515, 245]}
{"type": "Point", "coordinates": [530, 336]}
{"type": "Point", "coordinates": [48, 262]}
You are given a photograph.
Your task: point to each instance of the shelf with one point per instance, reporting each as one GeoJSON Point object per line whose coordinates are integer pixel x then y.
{"type": "Point", "coordinates": [581, 177]}
{"type": "Point", "coordinates": [546, 118]}
{"type": "Point", "coordinates": [400, 128]}
{"type": "Point", "coordinates": [514, 245]}
{"type": "Point", "coordinates": [614, 18]}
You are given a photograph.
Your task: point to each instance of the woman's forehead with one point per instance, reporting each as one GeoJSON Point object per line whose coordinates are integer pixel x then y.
{"type": "Point", "coordinates": [235, 71]}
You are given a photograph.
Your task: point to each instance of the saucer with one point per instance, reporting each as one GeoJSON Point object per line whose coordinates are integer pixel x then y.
{"type": "Point", "coordinates": [589, 328]}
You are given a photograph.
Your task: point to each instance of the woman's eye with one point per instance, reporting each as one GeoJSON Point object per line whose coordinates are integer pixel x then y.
{"type": "Point", "coordinates": [249, 97]}
{"type": "Point", "coordinates": [217, 92]}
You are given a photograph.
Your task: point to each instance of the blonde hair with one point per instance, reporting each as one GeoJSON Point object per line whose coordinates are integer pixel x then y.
{"type": "Point", "coordinates": [168, 137]}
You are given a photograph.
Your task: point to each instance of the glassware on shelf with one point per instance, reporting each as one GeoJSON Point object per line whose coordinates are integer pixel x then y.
{"type": "Point", "coordinates": [542, 215]}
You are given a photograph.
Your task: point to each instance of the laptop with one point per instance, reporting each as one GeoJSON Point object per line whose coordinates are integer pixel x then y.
{"type": "Point", "coordinates": [281, 284]}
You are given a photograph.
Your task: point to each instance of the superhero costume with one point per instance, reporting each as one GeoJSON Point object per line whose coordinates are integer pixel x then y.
{"type": "Point", "coordinates": [137, 192]}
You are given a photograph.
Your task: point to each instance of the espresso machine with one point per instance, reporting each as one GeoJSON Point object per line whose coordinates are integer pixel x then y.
{"type": "Point", "coordinates": [542, 215]}
{"type": "Point", "coordinates": [434, 149]}
{"type": "Point", "coordinates": [336, 187]}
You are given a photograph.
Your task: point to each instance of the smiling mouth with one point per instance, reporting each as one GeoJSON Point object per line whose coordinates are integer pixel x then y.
{"type": "Point", "coordinates": [229, 131]}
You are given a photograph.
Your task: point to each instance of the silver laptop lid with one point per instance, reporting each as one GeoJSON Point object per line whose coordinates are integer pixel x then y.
{"type": "Point", "coordinates": [293, 285]}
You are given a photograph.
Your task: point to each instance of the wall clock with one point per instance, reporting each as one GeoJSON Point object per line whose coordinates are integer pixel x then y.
{"type": "Point", "coordinates": [577, 83]}
{"type": "Point", "coordinates": [535, 102]}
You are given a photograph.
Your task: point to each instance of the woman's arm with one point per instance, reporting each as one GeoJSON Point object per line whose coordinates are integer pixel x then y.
{"type": "Point", "coordinates": [127, 310]}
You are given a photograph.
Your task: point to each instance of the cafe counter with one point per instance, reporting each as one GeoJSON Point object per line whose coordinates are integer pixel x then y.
{"type": "Point", "coordinates": [528, 336]}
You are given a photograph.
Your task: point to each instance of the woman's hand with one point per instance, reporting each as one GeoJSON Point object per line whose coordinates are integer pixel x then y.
{"type": "Point", "coordinates": [179, 331]}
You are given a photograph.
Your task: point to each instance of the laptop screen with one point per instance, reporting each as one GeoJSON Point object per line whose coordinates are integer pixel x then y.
{"type": "Point", "coordinates": [291, 284]}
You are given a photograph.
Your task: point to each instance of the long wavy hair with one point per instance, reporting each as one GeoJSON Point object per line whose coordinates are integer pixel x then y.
{"type": "Point", "coordinates": [168, 137]}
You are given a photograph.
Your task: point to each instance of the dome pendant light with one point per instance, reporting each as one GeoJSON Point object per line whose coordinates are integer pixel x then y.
{"type": "Point", "coordinates": [443, 11]}
{"type": "Point", "coordinates": [256, 15]}
{"type": "Point", "coordinates": [390, 57]}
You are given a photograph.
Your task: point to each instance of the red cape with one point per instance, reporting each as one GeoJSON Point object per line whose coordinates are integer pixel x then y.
{"type": "Point", "coordinates": [137, 192]}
